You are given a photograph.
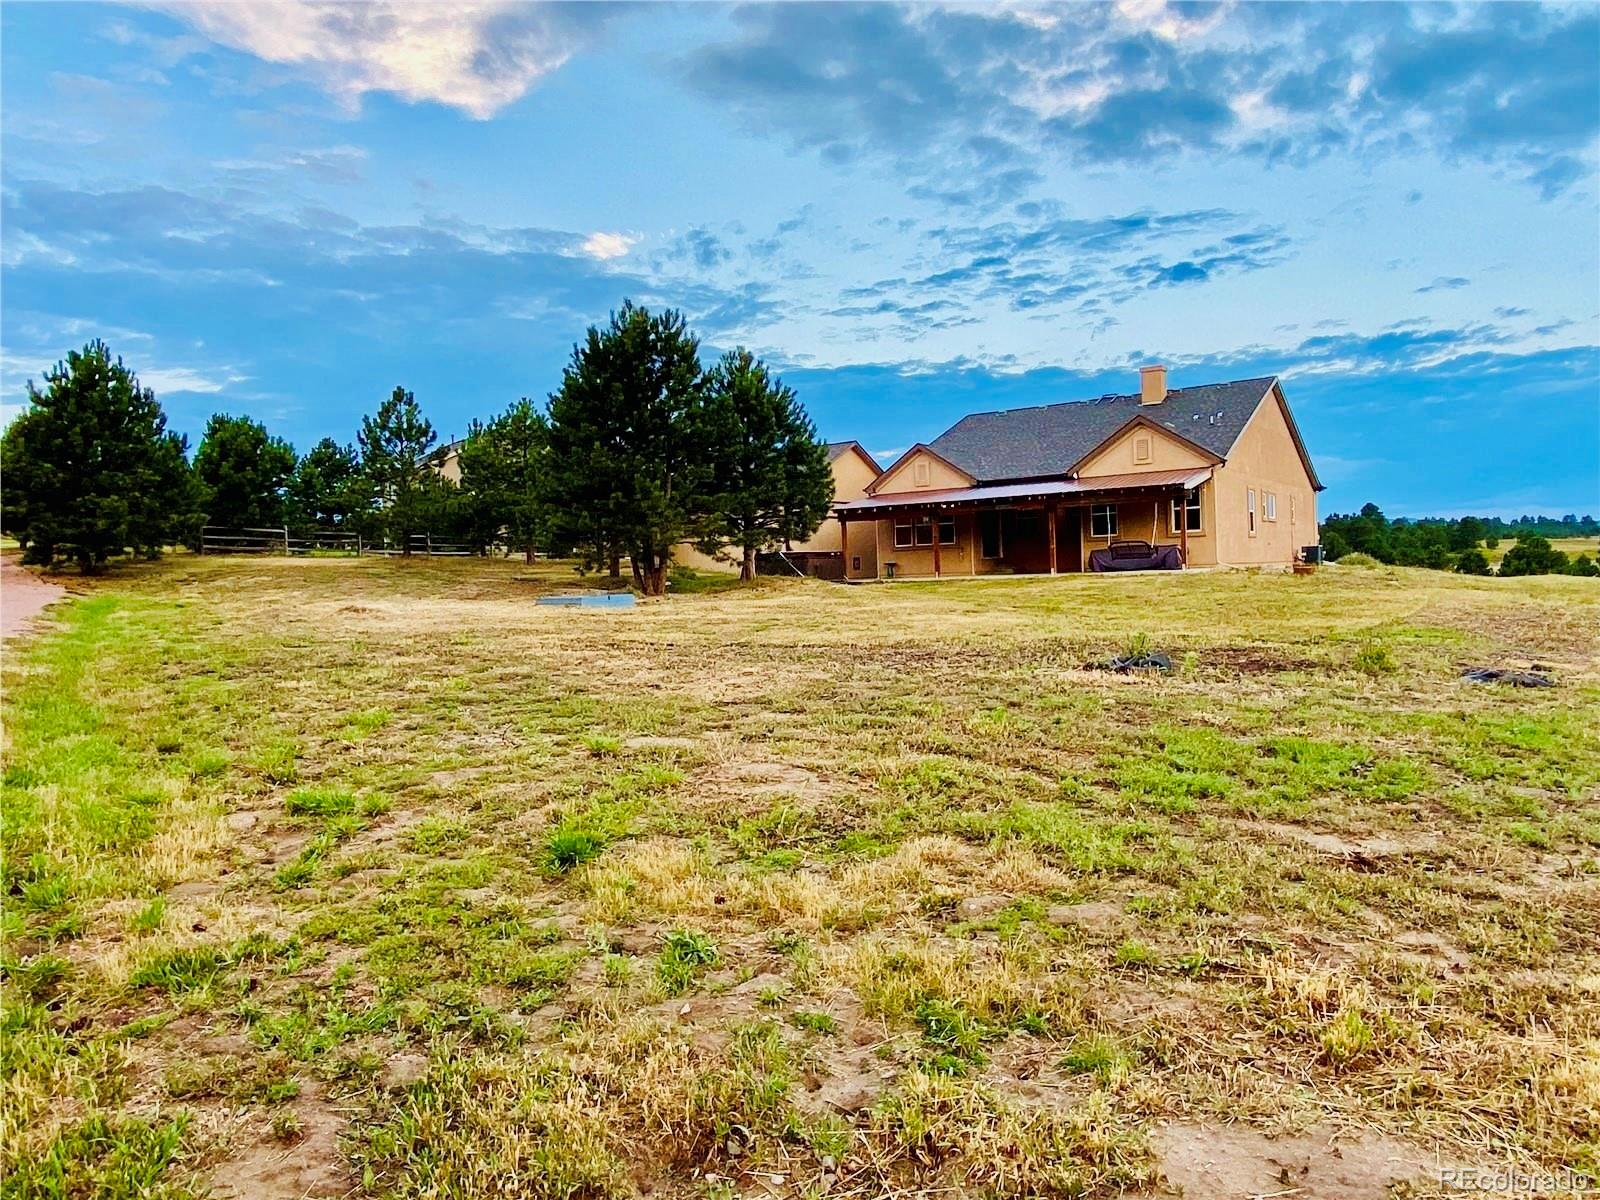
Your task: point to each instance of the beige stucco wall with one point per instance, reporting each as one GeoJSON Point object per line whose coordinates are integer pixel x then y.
{"type": "Point", "coordinates": [851, 475]}
{"type": "Point", "coordinates": [903, 477]}
{"type": "Point", "coordinates": [1118, 457]}
{"type": "Point", "coordinates": [1264, 458]}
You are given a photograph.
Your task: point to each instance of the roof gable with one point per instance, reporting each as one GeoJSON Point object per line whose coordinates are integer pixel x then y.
{"type": "Point", "coordinates": [1052, 439]}
{"type": "Point", "coordinates": [835, 449]}
{"type": "Point", "coordinates": [918, 451]}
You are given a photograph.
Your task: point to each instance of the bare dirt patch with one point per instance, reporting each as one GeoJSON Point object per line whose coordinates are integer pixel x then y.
{"type": "Point", "coordinates": [266, 1167]}
{"type": "Point", "coordinates": [764, 779]}
{"type": "Point", "coordinates": [1355, 851]}
{"type": "Point", "coordinates": [24, 596]}
{"type": "Point", "coordinates": [1232, 1162]}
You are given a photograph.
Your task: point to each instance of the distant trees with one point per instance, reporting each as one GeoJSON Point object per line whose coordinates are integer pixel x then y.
{"type": "Point", "coordinates": [90, 468]}
{"type": "Point", "coordinates": [628, 462]}
{"type": "Point", "coordinates": [770, 481]}
{"type": "Point", "coordinates": [639, 450]}
{"type": "Point", "coordinates": [242, 472]}
{"type": "Point", "coordinates": [395, 445]}
{"type": "Point", "coordinates": [1454, 544]}
{"type": "Point", "coordinates": [503, 476]}
{"type": "Point", "coordinates": [1533, 555]}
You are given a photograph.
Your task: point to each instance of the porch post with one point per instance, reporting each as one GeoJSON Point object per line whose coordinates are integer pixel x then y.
{"type": "Point", "coordinates": [1183, 526]}
{"type": "Point", "coordinates": [1050, 514]}
{"type": "Point", "coordinates": [844, 544]}
{"type": "Point", "coordinates": [933, 523]}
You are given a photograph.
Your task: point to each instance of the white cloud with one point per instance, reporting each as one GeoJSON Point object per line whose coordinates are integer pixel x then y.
{"type": "Point", "coordinates": [477, 57]}
{"type": "Point", "coordinates": [608, 245]}
{"type": "Point", "coordinates": [162, 380]}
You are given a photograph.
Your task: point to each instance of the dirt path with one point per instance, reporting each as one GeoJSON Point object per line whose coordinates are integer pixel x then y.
{"type": "Point", "coordinates": [23, 596]}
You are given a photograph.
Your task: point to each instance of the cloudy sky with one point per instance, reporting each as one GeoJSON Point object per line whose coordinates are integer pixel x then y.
{"type": "Point", "coordinates": [915, 212]}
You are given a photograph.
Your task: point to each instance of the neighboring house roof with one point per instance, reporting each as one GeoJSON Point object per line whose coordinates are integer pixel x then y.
{"type": "Point", "coordinates": [1053, 439]}
{"type": "Point", "coordinates": [835, 449]}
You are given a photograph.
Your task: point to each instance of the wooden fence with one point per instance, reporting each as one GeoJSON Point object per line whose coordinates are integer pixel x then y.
{"type": "Point", "coordinates": [217, 539]}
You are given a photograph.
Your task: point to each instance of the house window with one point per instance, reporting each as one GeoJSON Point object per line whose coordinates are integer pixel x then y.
{"type": "Point", "coordinates": [1186, 511]}
{"type": "Point", "coordinates": [919, 472]}
{"type": "Point", "coordinates": [1141, 449]}
{"type": "Point", "coordinates": [902, 535]}
{"type": "Point", "coordinates": [1103, 520]}
{"type": "Point", "coordinates": [1250, 507]}
{"type": "Point", "coordinates": [1270, 503]}
{"type": "Point", "coordinates": [989, 534]}
{"type": "Point", "coordinates": [924, 532]}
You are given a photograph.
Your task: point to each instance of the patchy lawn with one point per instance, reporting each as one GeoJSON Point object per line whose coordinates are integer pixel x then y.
{"type": "Point", "coordinates": [366, 876]}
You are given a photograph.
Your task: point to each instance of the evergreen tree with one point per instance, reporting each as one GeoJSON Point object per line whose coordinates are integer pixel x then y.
{"type": "Point", "coordinates": [1472, 562]}
{"type": "Point", "coordinates": [395, 445]}
{"type": "Point", "coordinates": [328, 489]}
{"type": "Point", "coordinates": [1533, 555]}
{"type": "Point", "coordinates": [626, 452]}
{"type": "Point", "coordinates": [1466, 533]}
{"type": "Point", "coordinates": [90, 469]}
{"type": "Point", "coordinates": [502, 476]}
{"type": "Point", "coordinates": [770, 478]}
{"type": "Point", "coordinates": [242, 473]}
{"type": "Point", "coordinates": [1583, 565]}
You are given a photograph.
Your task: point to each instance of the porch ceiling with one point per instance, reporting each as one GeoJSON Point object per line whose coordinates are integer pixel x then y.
{"type": "Point", "coordinates": [1008, 493]}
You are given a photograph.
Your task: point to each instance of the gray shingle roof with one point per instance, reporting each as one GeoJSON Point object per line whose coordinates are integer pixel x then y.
{"type": "Point", "coordinates": [1027, 443]}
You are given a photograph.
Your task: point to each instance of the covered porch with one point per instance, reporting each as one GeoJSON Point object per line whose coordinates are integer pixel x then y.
{"type": "Point", "coordinates": [1042, 528]}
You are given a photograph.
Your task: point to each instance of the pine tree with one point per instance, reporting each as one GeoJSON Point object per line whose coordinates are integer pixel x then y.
{"type": "Point", "coordinates": [242, 472]}
{"type": "Point", "coordinates": [328, 489]}
{"type": "Point", "coordinates": [502, 476]}
{"type": "Point", "coordinates": [90, 469]}
{"type": "Point", "coordinates": [395, 445]}
{"type": "Point", "coordinates": [626, 459]}
{"type": "Point", "coordinates": [771, 483]}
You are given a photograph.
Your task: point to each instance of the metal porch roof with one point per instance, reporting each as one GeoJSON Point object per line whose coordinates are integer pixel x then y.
{"type": "Point", "coordinates": [1049, 489]}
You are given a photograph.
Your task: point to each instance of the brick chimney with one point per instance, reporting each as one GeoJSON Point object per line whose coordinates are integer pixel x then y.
{"type": "Point", "coordinates": [1152, 384]}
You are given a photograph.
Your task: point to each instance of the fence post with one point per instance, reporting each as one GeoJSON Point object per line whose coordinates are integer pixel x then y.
{"type": "Point", "coordinates": [427, 544]}
{"type": "Point", "coordinates": [286, 550]}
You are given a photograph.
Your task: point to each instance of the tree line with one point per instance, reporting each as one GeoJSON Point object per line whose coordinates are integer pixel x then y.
{"type": "Point", "coordinates": [1458, 545]}
{"type": "Point", "coordinates": [641, 448]}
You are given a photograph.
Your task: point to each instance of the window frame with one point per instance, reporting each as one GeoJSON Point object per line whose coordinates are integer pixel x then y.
{"type": "Point", "coordinates": [923, 533]}
{"type": "Point", "coordinates": [908, 526]}
{"type": "Point", "coordinates": [1192, 510]}
{"type": "Point", "coordinates": [1250, 508]}
{"type": "Point", "coordinates": [1112, 523]}
{"type": "Point", "coordinates": [1269, 506]}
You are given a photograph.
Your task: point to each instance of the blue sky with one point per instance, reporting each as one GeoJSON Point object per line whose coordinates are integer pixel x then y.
{"type": "Point", "coordinates": [914, 212]}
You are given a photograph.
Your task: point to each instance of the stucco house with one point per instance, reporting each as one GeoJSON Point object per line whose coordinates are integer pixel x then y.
{"type": "Point", "coordinates": [1217, 472]}
{"type": "Point", "coordinates": [854, 471]}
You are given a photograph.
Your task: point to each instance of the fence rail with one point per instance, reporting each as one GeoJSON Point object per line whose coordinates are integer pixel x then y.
{"type": "Point", "coordinates": [218, 539]}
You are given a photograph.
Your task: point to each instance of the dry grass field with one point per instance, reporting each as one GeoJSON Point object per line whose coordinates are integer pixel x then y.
{"type": "Point", "coordinates": [362, 877]}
